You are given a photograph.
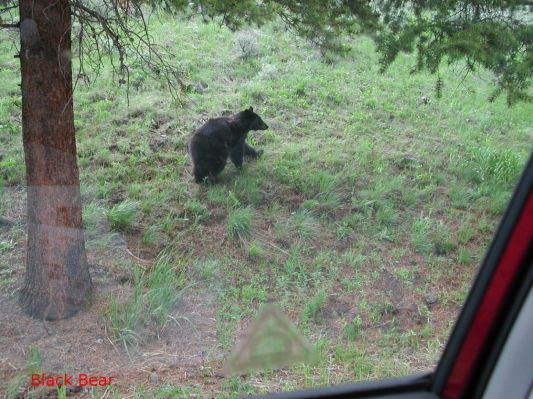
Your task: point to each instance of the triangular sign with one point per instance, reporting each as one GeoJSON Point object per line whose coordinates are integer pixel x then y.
{"type": "Point", "coordinates": [271, 342]}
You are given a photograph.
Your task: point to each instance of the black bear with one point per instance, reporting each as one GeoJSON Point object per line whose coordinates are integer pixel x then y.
{"type": "Point", "coordinates": [219, 138]}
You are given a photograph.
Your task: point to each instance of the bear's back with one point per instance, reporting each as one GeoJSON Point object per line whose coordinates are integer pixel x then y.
{"type": "Point", "coordinates": [216, 127]}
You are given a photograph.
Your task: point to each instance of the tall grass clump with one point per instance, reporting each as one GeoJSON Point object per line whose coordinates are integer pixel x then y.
{"type": "Point", "coordinates": [162, 294]}
{"type": "Point", "coordinates": [154, 235]}
{"type": "Point", "coordinates": [295, 267]}
{"type": "Point", "coordinates": [150, 307]}
{"type": "Point", "coordinates": [489, 165]}
{"type": "Point", "coordinates": [93, 217]}
{"type": "Point", "coordinates": [240, 222]}
{"type": "Point", "coordinates": [304, 224]}
{"type": "Point", "coordinates": [420, 235]}
{"type": "Point", "coordinates": [125, 318]}
{"type": "Point", "coordinates": [123, 215]}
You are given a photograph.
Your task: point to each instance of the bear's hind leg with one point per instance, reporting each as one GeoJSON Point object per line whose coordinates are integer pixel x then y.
{"type": "Point", "coordinates": [217, 166]}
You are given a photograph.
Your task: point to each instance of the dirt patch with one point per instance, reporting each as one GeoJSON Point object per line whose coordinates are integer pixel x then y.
{"type": "Point", "coordinates": [82, 344]}
{"type": "Point", "coordinates": [138, 251]}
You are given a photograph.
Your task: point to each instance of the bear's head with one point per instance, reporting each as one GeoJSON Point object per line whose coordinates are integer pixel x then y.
{"type": "Point", "coordinates": [254, 120]}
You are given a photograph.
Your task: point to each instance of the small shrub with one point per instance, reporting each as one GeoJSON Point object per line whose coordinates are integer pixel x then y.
{"type": "Point", "coordinates": [386, 216]}
{"type": "Point", "coordinates": [382, 309]}
{"type": "Point", "coordinates": [6, 246]}
{"type": "Point", "coordinates": [18, 383]}
{"type": "Point", "coordinates": [35, 360]}
{"type": "Point", "coordinates": [405, 274]}
{"type": "Point", "coordinates": [124, 318]}
{"type": "Point", "coordinates": [162, 294]}
{"type": "Point", "coordinates": [500, 202]}
{"type": "Point", "coordinates": [12, 170]}
{"type": "Point", "coordinates": [248, 190]}
{"type": "Point", "coordinates": [246, 42]}
{"type": "Point", "coordinates": [328, 201]}
{"type": "Point", "coordinates": [444, 247]}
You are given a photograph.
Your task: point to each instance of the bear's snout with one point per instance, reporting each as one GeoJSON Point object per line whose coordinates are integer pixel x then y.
{"type": "Point", "coordinates": [262, 126]}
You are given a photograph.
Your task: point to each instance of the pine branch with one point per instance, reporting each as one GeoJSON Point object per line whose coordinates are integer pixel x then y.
{"type": "Point", "coordinates": [6, 9]}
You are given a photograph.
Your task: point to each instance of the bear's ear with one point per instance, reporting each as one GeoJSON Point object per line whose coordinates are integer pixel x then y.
{"type": "Point", "coordinates": [251, 109]}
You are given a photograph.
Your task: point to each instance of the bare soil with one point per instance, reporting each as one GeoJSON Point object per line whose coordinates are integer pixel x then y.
{"type": "Point", "coordinates": [186, 349]}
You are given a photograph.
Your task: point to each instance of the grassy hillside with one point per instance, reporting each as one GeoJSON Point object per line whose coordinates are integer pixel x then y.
{"type": "Point", "coordinates": [364, 221]}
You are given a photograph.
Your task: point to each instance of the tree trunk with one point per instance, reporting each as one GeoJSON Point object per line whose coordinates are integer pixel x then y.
{"type": "Point", "coordinates": [57, 282]}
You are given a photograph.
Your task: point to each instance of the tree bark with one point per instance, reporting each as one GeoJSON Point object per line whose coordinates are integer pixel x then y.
{"type": "Point", "coordinates": [57, 282]}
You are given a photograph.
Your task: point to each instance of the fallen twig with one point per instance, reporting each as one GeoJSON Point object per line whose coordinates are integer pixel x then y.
{"type": "Point", "coordinates": [143, 261]}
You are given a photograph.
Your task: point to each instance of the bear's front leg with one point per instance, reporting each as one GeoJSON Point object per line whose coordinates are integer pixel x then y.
{"type": "Point", "coordinates": [237, 153]}
{"type": "Point", "coordinates": [199, 174]}
{"type": "Point", "coordinates": [251, 152]}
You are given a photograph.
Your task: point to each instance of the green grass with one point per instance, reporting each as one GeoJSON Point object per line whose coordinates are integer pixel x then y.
{"type": "Point", "coordinates": [151, 306]}
{"type": "Point", "coordinates": [312, 307]}
{"type": "Point", "coordinates": [154, 235]}
{"type": "Point", "coordinates": [255, 251]}
{"type": "Point", "coordinates": [304, 224]}
{"type": "Point", "coordinates": [365, 200]}
{"type": "Point", "coordinates": [196, 211]}
{"type": "Point", "coordinates": [16, 385]}
{"type": "Point", "coordinates": [420, 230]}
{"type": "Point", "coordinates": [352, 330]}
{"type": "Point", "coordinates": [123, 215]}
{"type": "Point", "coordinates": [240, 222]}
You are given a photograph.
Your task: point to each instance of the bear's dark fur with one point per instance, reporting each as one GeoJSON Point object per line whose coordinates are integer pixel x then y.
{"type": "Point", "coordinates": [219, 138]}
